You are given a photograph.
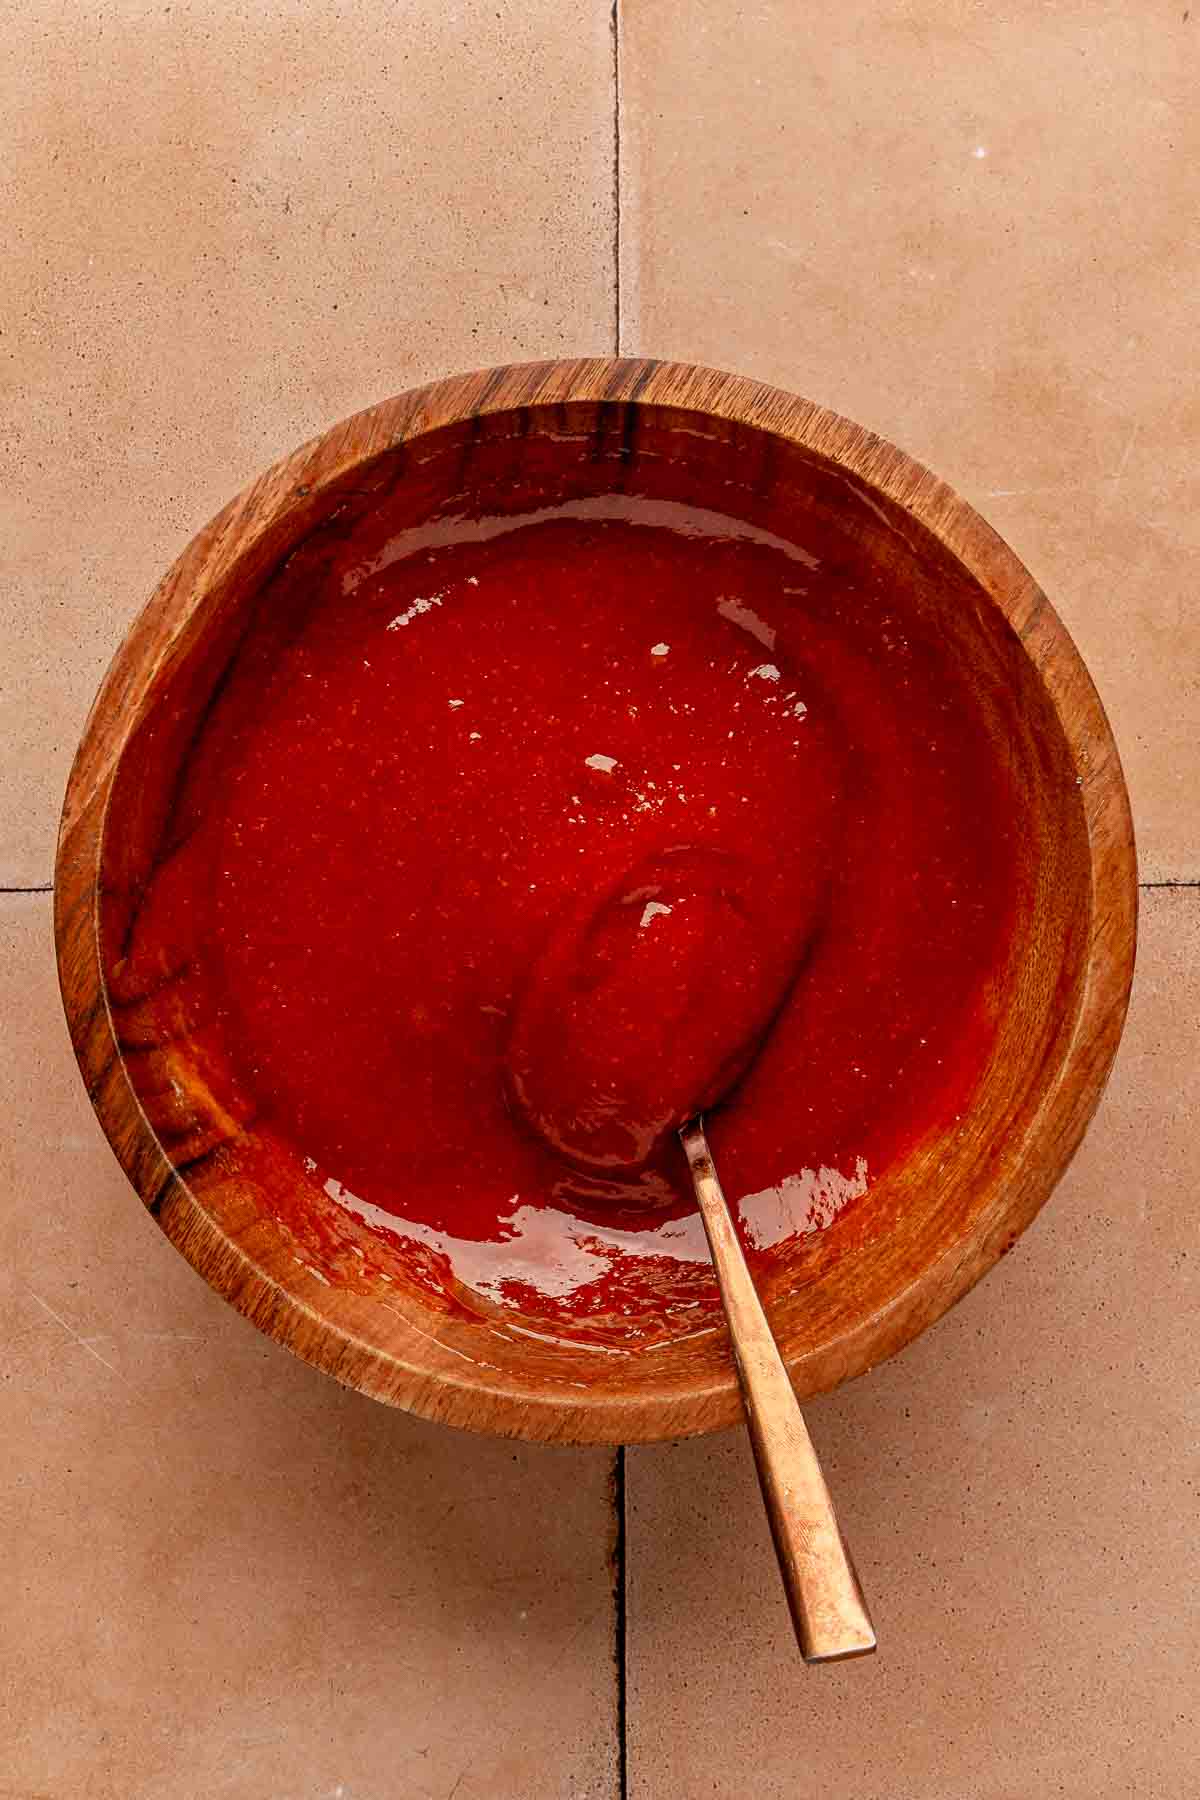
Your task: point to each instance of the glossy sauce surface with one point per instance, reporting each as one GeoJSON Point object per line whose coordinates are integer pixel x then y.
{"type": "Point", "coordinates": [621, 748]}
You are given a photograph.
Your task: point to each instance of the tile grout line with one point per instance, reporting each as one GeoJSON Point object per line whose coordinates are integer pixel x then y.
{"type": "Point", "coordinates": [1147, 885]}
{"type": "Point", "coordinates": [619, 1623]}
{"type": "Point", "coordinates": [616, 49]}
{"type": "Point", "coordinates": [47, 888]}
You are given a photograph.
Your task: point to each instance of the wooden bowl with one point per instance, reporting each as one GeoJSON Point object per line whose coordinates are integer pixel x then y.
{"type": "Point", "coordinates": [840, 1300]}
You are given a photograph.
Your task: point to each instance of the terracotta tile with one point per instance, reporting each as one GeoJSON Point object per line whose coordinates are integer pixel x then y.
{"type": "Point", "coordinates": [227, 225]}
{"type": "Point", "coordinates": [969, 229]}
{"type": "Point", "coordinates": [225, 1575]}
{"type": "Point", "coordinates": [1019, 1488]}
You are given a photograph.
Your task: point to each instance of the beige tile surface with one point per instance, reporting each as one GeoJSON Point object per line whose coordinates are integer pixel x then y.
{"type": "Point", "coordinates": [1020, 1488]}
{"type": "Point", "coordinates": [971, 228]}
{"type": "Point", "coordinates": [224, 1574]}
{"type": "Point", "coordinates": [227, 224]}
{"type": "Point", "coordinates": [230, 223]}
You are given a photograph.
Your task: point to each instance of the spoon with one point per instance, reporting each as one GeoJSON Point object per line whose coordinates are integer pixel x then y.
{"type": "Point", "coordinates": [615, 1045]}
{"type": "Point", "coordinates": [823, 1593]}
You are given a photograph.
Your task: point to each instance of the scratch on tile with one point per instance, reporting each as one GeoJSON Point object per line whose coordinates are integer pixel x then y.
{"type": "Point", "coordinates": [172, 1337]}
{"type": "Point", "coordinates": [150, 1337]}
{"type": "Point", "coordinates": [1052, 487]}
{"type": "Point", "coordinates": [82, 1342]}
{"type": "Point", "coordinates": [1096, 486]}
{"type": "Point", "coordinates": [1115, 478]}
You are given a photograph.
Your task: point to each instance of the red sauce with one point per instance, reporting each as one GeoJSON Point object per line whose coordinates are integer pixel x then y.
{"type": "Point", "coordinates": [650, 1001]}
{"type": "Point", "coordinates": [600, 802]}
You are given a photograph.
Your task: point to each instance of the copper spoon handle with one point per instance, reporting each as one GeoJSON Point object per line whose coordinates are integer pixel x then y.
{"type": "Point", "coordinates": [826, 1601]}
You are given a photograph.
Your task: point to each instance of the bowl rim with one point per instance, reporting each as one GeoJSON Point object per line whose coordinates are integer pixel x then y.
{"type": "Point", "coordinates": [428, 1385]}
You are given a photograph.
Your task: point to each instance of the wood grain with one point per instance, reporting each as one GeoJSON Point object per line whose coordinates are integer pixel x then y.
{"type": "Point", "coordinates": [216, 1179]}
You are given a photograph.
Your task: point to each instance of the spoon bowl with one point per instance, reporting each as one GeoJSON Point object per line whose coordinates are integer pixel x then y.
{"type": "Point", "coordinates": [616, 1040]}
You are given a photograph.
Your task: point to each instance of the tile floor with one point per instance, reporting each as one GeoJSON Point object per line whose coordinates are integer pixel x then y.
{"type": "Point", "coordinates": [230, 223]}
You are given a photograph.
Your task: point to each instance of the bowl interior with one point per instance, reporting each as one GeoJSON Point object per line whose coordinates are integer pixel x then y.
{"type": "Point", "coordinates": [392, 1301]}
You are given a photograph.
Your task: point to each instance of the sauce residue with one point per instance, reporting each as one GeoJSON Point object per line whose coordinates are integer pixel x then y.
{"type": "Point", "coordinates": [612, 734]}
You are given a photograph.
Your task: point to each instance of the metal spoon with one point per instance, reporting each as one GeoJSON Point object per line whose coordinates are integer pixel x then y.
{"type": "Point", "coordinates": [823, 1592]}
